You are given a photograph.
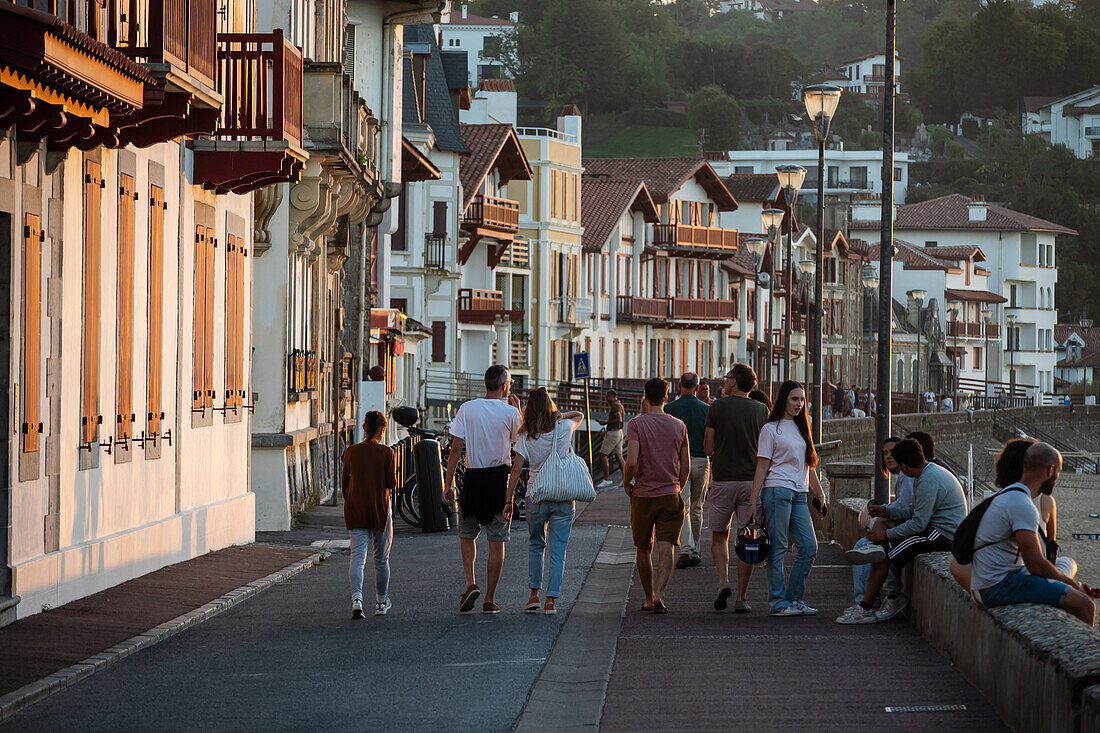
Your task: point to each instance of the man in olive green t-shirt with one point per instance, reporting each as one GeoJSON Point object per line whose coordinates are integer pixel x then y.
{"type": "Point", "coordinates": [732, 431]}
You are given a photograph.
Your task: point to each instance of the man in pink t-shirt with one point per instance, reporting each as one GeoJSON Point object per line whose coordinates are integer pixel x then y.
{"type": "Point", "coordinates": [658, 465]}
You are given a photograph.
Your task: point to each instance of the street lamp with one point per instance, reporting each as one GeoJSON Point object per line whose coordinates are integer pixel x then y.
{"type": "Point", "coordinates": [987, 318]}
{"type": "Point", "coordinates": [955, 361]}
{"type": "Point", "coordinates": [1010, 321]}
{"type": "Point", "coordinates": [790, 180]}
{"type": "Point", "coordinates": [772, 219]}
{"type": "Point", "coordinates": [806, 269]}
{"type": "Point", "coordinates": [756, 246]}
{"type": "Point", "coordinates": [918, 296]}
{"type": "Point", "coordinates": [870, 285]}
{"type": "Point", "coordinates": [821, 101]}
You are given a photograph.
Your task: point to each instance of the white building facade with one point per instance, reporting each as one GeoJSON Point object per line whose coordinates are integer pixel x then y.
{"type": "Point", "coordinates": [1072, 121]}
{"type": "Point", "coordinates": [480, 38]}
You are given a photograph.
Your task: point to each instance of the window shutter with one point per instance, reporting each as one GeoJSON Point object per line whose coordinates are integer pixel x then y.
{"type": "Point", "coordinates": [230, 316]}
{"type": "Point", "coordinates": [439, 341]}
{"type": "Point", "coordinates": [198, 396]}
{"type": "Point", "coordinates": [439, 218]}
{"type": "Point", "coordinates": [156, 308]}
{"type": "Point", "coordinates": [31, 329]}
{"type": "Point", "coordinates": [208, 356]}
{"type": "Point", "coordinates": [124, 399]}
{"type": "Point", "coordinates": [90, 418]}
{"type": "Point", "coordinates": [349, 50]}
{"type": "Point", "coordinates": [399, 239]}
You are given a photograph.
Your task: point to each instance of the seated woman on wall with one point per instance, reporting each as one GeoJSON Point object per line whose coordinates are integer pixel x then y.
{"type": "Point", "coordinates": [1009, 467]}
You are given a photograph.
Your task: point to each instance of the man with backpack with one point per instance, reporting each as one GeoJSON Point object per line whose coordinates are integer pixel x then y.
{"type": "Point", "coordinates": [1001, 540]}
{"type": "Point", "coordinates": [939, 505]}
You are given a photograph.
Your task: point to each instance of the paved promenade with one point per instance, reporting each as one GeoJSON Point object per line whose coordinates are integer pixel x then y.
{"type": "Point", "coordinates": [292, 659]}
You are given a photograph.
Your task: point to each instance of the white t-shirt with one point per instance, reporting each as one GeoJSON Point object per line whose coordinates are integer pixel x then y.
{"type": "Point", "coordinates": [947, 405]}
{"type": "Point", "coordinates": [489, 428]}
{"type": "Point", "coordinates": [784, 445]}
{"type": "Point", "coordinates": [537, 450]}
{"type": "Point", "coordinates": [1009, 512]}
{"type": "Point", "coordinates": [930, 397]}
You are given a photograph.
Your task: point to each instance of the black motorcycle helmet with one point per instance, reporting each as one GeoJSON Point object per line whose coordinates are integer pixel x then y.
{"type": "Point", "coordinates": [752, 544]}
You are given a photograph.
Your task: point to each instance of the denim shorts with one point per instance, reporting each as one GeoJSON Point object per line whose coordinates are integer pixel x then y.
{"type": "Point", "coordinates": [1020, 586]}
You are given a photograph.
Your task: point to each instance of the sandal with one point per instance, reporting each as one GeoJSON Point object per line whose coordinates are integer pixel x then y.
{"type": "Point", "coordinates": [662, 608]}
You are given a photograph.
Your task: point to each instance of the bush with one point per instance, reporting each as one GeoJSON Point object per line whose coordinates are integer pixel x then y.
{"type": "Point", "coordinates": [773, 109]}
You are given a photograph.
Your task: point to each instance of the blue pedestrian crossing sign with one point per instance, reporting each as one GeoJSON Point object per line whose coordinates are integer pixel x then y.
{"type": "Point", "coordinates": [581, 369]}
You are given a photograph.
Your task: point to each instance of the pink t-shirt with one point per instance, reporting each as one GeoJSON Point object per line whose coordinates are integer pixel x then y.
{"type": "Point", "coordinates": [660, 438]}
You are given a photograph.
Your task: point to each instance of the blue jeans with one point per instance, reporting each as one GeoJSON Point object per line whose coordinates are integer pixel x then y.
{"type": "Point", "coordinates": [1020, 586]}
{"type": "Point", "coordinates": [380, 539]}
{"type": "Point", "coordinates": [548, 520]}
{"type": "Point", "coordinates": [861, 573]}
{"type": "Point", "coordinates": [788, 518]}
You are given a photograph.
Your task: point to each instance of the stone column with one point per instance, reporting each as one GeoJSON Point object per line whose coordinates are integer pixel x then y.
{"type": "Point", "coordinates": [848, 480]}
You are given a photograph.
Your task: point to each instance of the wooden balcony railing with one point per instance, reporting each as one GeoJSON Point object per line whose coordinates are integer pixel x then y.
{"type": "Point", "coordinates": [483, 306]}
{"type": "Point", "coordinates": [697, 240]}
{"type": "Point", "coordinates": [517, 254]}
{"type": "Point", "coordinates": [970, 329]}
{"type": "Point", "coordinates": [182, 33]}
{"type": "Point", "coordinates": [261, 78]}
{"type": "Point", "coordinates": [490, 212]}
{"type": "Point", "coordinates": [690, 309]}
{"type": "Point", "coordinates": [635, 308]}
{"type": "Point", "coordinates": [519, 356]}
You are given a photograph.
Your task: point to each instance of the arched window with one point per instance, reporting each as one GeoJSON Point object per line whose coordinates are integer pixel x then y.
{"type": "Point", "coordinates": [900, 376]}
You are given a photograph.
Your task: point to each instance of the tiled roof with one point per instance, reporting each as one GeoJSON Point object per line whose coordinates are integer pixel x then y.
{"type": "Point", "coordinates": [455, 68]}
{"type": "Point", "coordinates": [911, 256]}
{"type": "Point", "coordinates": [973, 296]}
{"type": "Point", "coordinates": [952, 212]}
{"type": "Point", "coordinates": [471, 19]}
{"type": "Point", "coordinates": [1090, 335]}
{"type": "Point", "coordinates": [603, 203]}
{"type": "Point", "coordinates": [752, 186]}
{"type": "Point", "coordinates": [954, 253]}
{"type": "Point", "coordinates": [1091, 358]}
{"type": "Point", "coordinates": [1034, 104]}
{"type": "Point", "coordinates": [442, 117]}
{"type": "Point", "coordinates": [496, 85]}
{"type": "Point", "coordinates": [491, 146]}
{"type": "Point", "coordinates": [664, 176]}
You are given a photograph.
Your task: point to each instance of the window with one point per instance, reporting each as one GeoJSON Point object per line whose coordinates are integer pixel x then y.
{"type": "Point", "coordinates": [236, 268]}
{"type": "Point", "coordinates": [859, 176]}
{"type": "Point", "coordinates": [897, 174]}
{"type": "Point", "coordinates": [202, 377]}
{"type": "Point", "coordinates": [32, 329]}
{"type": "Point", "coordinates": [930, 243]}
{"type": "Point", "coordinates": [156, 308]}
{"type": "Point", "coordinates": [89, 415]}
{"type": "Point", "coordinates": [124, 399]}
{"type": "Point", "coordinates": [742, 169]}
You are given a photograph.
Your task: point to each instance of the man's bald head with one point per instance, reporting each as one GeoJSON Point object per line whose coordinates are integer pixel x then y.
{"type": "Point", "coordinates": [1041, 455]}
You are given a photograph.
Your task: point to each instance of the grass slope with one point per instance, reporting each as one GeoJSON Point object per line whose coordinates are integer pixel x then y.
{"type": "Point", "coordinates": [643, 141]}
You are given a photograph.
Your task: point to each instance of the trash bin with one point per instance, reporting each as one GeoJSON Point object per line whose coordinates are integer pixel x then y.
{"type": "Point", "coordinates": [428, 464]}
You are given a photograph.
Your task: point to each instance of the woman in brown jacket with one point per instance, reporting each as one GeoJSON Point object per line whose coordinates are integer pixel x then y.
{"type": "Point", "coordinates": [369, 474]}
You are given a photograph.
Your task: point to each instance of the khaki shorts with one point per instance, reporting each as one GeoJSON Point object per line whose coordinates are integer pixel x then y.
{"type": "Point", "coordinates": [495, 531]}
{"type": "Point", "coordinates": [612, 441]}
{"type": "Point", "coordinates": [662, 516]}
{"type": "Point", "coordinates": [726, 500]}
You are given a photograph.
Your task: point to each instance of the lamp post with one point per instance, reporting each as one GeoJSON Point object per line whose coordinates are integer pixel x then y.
{"type": "Point", "coordinates": [806, 269]}
{"type": "Point", "coordinates": [821, 101]}
{"type": "Point", "coordinates": [771, 219]}
{"type": "Point", "coordinates": [918, 296]}
{"type": "Point", "coordinates": [955, 361]}
{"type": "Point", "coordinates": [756, 247]}
{"type": "Point", "coordinates": [870, 284]}
{"type": "Point", "coordinates": [790, 180]}
{"type": "Point", "coordinates": [987, 318]}
{"type": "Point", "coordinates": [1010, 321]}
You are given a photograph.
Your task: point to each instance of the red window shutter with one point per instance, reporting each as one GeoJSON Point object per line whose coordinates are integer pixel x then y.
{"type": "Point", "coordinates": [124, 398]}
{"type": "Point", "coordinates": [93, 199]}
{"type": "Point", "coordinates": [32, 330]}
{"type": "Point", "coordinates": [156, 308]}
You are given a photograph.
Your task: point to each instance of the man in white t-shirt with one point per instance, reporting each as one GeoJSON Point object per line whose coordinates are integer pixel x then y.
{"type": "Point", "coordinates": [947, 404]}
{"type": "Point", "coordinates": [1009, 564]}
{"type": "Point", "coordinates": [486, 428]}
{"type": "Point", "coordinates": [929, 401]}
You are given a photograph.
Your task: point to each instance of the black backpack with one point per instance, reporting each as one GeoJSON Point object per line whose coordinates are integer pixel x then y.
{"type": "Point", "coordinates": [962, 547]}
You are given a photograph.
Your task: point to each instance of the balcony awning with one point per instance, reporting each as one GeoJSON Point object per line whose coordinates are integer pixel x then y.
{"type": "Point", "coordinates": [940, 359]}
{"type": "Point", "coordinates": [387, 319]}
{"type": "Point", "coordinates": [973, 296]}
{"type": "Point", "coordinates": [415, 166]}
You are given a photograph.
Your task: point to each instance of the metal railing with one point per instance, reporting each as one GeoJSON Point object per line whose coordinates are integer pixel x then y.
{"type": "Point", "coordinates": [260, 75]}
{"type": "Point", "coordinates": [565, 137]}
{"type": "Point", "coordinates": [1070, 462]}
{"type": "Point", "coordinates": [435, 251]}
{"type": "Point", "coordinates": [575, 310]}
{"type": "Point", "coordinates": [862, 185]}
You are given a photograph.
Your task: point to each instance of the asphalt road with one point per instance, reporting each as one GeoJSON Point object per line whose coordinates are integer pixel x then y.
{"type": "Point", "coordinates": [292, 659]}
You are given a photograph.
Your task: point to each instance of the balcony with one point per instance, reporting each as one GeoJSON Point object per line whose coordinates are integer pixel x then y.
{"type": "Point", "coordinates": [576, 311]}
{"type": "Point", "coordinates": [635, 308]}
{"type": "Point", "coordinates": [520, 356]}
{"type": "Point", "coordinates": [435, 251]}
{"type": "Point", "coordinates": [489, 216]}
{"type": "Point", "coordinates": [516, 254]}
{"type": "Point", "coordinates": [484, 307]}
{"type": "Point", "coordinates": [854, 184]}
{"type": "Point", "coordinates": [1091, 131]}
{"type": "Point", "coordinates": [695, 241]}
{"type": "Point", "coordinates": [971, 329]}
{"type": "Point", "coordinates": [703, 311]}
{"type": "Point", "coordinates": [259, 137]}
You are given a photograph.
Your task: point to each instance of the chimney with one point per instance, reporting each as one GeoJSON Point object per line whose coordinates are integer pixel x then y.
{"type": "Point", "coordinates": [464, 10]}
{"type": "Point", "coordinates": [514, 16]}
{"type": "Point", "coordinates": [569, 121]}
{"type": "Point", "coordinates": [866, 207]}
{"type": "Point", "coordinates": [977, 210]}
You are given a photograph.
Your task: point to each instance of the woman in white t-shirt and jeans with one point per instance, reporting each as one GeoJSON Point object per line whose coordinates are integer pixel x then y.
{"type": "Point", "coordinates": [549, 521]}
{"type": "Point", "coordinates": [786, 469]}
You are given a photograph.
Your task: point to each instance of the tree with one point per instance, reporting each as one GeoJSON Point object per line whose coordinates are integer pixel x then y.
{"type": "Point", "coordinates": [719, 114]}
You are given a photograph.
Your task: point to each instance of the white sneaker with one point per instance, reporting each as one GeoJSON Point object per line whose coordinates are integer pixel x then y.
{"type": "Point", "coordinates": [357, 609]}
{"type": "Point", "coordinates": [891, 607]}
{"type": "Point", "coordinates": [866, 554]}
{"type": "Point", "coordinates": [856, 615]}
{"type": "Point", "coordinates": [791, 610]}
{"type": "Point", "coordinates": [804, 609]}
{"type": "Point", "coordinates": [381, 609]}
{"type": "Point", "coordinates": [604, 484]}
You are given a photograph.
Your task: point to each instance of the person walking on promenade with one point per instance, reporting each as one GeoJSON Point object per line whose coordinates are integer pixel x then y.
{"type": "Point", "coordinates": [548, 521]}
{"type": "Point", "coordinates": [732, 430]}
{"type": "Point", "coordinates": [486, 428]}
{"type": "Point", "coordinates": [838, 400]}
{"type": "Point", "coordinates": [786, 468]}
{"type": "Point", "coordinates": [693, 413]}
{"type": "Point", "coordinates": [657, 466]}
{"type": "Point", "coordinates": [612, 437]}
{"type": "Point", "coordinates": [368, 475]}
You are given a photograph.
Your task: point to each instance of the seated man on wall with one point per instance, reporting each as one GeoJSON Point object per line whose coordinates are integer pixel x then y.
{"type": "Point", "coordinates": [928, 526]}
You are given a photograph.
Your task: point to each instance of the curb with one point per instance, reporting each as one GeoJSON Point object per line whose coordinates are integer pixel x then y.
{"type": "Point", "coordinates": [18, 700]}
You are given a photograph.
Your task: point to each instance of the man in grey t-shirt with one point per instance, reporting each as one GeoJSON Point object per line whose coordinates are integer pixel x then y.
{"type": "Point", "coordinates": [1009, 564]}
